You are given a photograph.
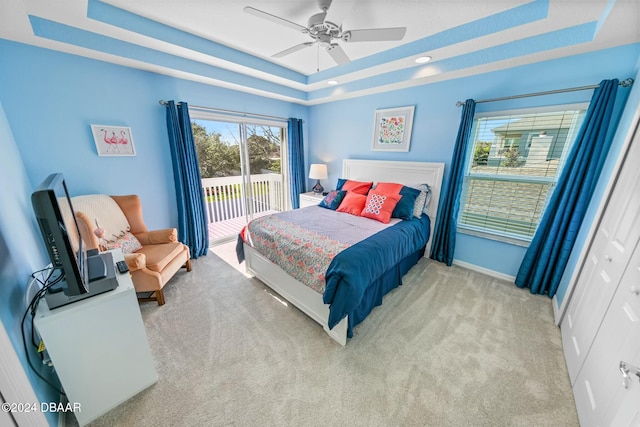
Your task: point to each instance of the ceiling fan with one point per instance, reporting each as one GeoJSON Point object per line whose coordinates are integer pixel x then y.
{"type": "Point", "coordinates": [325, 28]}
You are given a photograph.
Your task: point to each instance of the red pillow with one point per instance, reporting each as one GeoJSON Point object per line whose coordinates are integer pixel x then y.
{"type": "Point", "coordinates": [359, 187]}
{"type": "Point", "coordinates": [388, 188]}
{"type": "Point", "coordinates": [353, 203]}
{"type": "Point", "coordinates": [380, 206]}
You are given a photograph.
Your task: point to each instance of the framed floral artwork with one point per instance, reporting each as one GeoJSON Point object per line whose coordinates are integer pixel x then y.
{"type": "Point", "coordinates": [113, 140]}
{"type": "Point", "coordinates": [392, 129]}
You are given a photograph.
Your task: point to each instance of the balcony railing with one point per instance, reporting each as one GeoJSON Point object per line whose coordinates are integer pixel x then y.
{"type": "Point", "coordinates": [228, 204]}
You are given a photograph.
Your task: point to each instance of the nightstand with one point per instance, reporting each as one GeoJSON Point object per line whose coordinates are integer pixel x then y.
{"type": "Point", "coordinates": [310, 199]}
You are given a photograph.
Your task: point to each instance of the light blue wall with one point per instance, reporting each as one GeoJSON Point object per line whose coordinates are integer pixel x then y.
{"type": "Point", "coordinates": [21, 253]}
{"type": "Point", "coordinates": [51, 99]}
{"type": "Point", "coordinates": [344, 129]}
{"type": "Point", "coordinates": [47, 102]}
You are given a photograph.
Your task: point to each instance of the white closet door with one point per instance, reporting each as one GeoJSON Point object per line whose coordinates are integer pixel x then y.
{"type": "Point", "coordinates": [599, 391]}
{"type": "Point", "coordinates": [615, 239]}
{"type": "Point", "coordinates": [627, 409]}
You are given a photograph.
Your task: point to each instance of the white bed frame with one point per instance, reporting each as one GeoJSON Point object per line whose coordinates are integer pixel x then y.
{"type": "Point", "coordinates": [310, 301]}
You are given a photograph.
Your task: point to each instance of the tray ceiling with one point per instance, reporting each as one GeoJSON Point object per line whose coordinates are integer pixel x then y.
{"type": "Point", "coordinates": [218, 43]}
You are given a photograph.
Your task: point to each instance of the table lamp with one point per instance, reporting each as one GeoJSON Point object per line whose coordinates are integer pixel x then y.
{"type": "Point", "coordinates": [318, 172]}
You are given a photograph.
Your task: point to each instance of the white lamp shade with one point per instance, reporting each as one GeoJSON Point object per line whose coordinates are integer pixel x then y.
{"type": "Point", "coordinates": [318, 171]}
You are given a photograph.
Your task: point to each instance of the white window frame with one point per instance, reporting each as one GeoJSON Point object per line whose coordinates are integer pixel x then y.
{"type": "Point", "coordinates": [502, 236]}
{"type": "Point", "coordinates": [244, 120]}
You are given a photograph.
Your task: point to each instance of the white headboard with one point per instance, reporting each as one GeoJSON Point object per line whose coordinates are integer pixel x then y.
{"type": "Point", "coordinates": [406, 173]}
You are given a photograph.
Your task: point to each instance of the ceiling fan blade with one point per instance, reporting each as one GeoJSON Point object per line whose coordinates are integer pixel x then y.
{"type": "Point", "coordinates": [292, 49]}
{"type": "Point", "coordinates": [338, 55]}
{"type": "Point", "coordinates": [273, 18]}
{"type": "Point", "coordinates": [338, 11]}
{"type": "Point", "coordinates": [375, 35]}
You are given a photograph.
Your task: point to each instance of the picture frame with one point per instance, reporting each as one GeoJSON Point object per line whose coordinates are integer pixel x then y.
{"type": "Point", "coordinates": [113, 140]}
{"type": "Point", "coordinates": [392, 129]}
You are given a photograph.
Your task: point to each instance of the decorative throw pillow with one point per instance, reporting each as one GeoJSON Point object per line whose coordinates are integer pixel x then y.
{"type": "Point", "coordinates": [353, 203]}
{"type": "Point", "coordinates": [359, 187]}
{"type": "Point", "coordinates": [404, 208]}
{"type": "Point", "coordinates": [127, 242]}
{"type": "Point", "coordinates": [388, 187]}
{"type": "Point", "coordinates": [427, 190]}
{"type": "Point", "coordinates": [420, 204]}
{"type": "Point", "coordinates": [332, 200]}
{"type": "Point", "coordinates": [379, 206]}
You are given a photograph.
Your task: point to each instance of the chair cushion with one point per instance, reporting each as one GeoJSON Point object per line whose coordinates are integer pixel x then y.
{"type": "Point", "coordinates": [158, 256]}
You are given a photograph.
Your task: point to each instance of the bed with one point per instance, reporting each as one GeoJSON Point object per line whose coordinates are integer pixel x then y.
{"type": "Point", "coordinates": [338, 317]}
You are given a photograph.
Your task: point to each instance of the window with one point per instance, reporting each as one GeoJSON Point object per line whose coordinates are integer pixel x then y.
{"type": "Point", "coordinates": [241, 164]}
{"type": "Point", "coordinates": [514, 163]}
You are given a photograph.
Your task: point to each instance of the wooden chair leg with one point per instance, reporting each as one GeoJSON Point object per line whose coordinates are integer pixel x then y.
{"type": "Point", "coordinates": [154, 296]}
{"type": "Point", "coordinates": [160, 297]}
{"type": "Point", "coordinates": [188, 265]}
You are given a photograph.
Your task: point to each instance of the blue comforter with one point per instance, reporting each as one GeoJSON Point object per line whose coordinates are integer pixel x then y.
{"type": "Point", "coordinates": [352, 261]}
{"type": "Point", "coordinates": [355, 268]}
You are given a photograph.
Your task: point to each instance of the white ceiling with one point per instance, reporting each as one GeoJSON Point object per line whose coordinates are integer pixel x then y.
{"type": "Point", "coordinates": [216, 42]}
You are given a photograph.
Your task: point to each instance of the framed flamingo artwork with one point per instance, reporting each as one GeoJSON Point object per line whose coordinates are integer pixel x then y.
{"type": "Point", "coordinates": [113, 140]}
{"type": "Point", "coordinates": [392, 129]}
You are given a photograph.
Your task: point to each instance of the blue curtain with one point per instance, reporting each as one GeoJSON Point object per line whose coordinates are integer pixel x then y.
{"type": "Point", "coordinates": [547, 256]}
{"type": "Point", "coordinates": [444, 236]}
{"type": "Point", "coordinates": [192, 219]}
{"type": "Point", "coordinates": [296, 161]}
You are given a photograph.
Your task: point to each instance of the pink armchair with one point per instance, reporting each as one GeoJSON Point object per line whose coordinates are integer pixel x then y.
{"type": "Point", "coordinates": [161, 254]}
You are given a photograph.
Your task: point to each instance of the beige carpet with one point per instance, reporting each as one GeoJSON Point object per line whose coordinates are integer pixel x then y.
{"type": "Point", "coordinates": [448, 348]}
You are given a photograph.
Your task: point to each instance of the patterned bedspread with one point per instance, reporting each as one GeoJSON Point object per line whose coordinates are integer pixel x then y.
{"type": "Point", "coordinates": [303, 242]}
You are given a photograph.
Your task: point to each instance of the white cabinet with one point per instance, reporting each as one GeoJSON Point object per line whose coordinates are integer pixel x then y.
{"type": "Point", "coordinates": [99, 348]}
{"type": "Point", "coordinates": [601, 327]}
{"type": "Point", "coordinates": [310, 199]}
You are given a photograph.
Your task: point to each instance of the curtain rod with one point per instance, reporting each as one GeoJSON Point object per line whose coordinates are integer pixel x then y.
{"type": "Point", "coordinates": [623, 83]}
{"type": "Point", "coordinates": [220, 110]}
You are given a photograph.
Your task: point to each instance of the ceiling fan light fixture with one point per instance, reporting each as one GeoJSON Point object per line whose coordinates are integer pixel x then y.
{"type": "Point", "coordinates": [324, 32]}
{"type": "Point", "coordinates": [422, 59]}
{"type": "Point", "coordinates": [324, 40]}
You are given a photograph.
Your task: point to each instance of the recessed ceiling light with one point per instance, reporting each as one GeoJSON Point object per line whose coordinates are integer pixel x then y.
{"type": "Point", "coordinates": [332, 82]}
{"type": "Point", "coordinates": [422, 59]}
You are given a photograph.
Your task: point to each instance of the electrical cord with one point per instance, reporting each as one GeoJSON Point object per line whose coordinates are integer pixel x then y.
{"type": "Point", "coordinates": [31, 308]}
{"type": "Point", "coordinates": [34, 306]}
{"type": "Point", "coordinates": [45, 285]}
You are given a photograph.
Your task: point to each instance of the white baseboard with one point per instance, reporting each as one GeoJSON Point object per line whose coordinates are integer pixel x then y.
{"type": "Point", "coordinates": [557, 317]}
{"type": "Point", "coordinates": [483, 270]}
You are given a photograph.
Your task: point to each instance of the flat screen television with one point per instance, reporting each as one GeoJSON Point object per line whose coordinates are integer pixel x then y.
{"type": "Point", "coordinates": [67, 251]}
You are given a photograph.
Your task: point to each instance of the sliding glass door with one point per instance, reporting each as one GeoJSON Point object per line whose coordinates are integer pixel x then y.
{"type": "Point", "coordinates": [242, 164]}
